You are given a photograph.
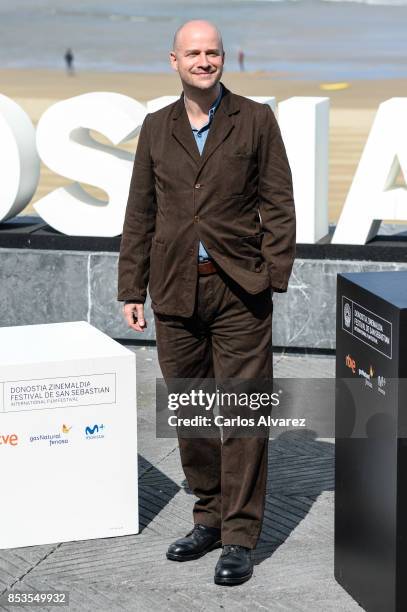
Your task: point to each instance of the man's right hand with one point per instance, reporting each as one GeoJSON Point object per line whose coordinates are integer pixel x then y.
{"type": "Point", "coordinates": [134, 315]}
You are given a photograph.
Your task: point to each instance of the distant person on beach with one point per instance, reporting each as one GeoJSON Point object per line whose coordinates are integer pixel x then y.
{"type": "Point", "coordinates": [240, 57]}
{"type": "Point", "coordinates": [210, 229]}
{"type": "Point", "coordinates": [69, 62]}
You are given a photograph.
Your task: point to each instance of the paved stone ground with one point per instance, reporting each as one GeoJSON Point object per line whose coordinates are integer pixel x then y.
{"type": "Point", "coordinates": [293, 560]}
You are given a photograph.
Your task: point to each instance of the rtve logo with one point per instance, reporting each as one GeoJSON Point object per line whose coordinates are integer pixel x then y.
{"type": "Point", "coordinates": [8, 439]}
{"type": "Point", "coordinates": [350, 363]}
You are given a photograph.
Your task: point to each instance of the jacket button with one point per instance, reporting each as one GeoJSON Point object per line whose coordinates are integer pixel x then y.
{"type": "Point", "coordinates": [198, 186]}
{"type": "Point", "coordinates": [196, 219]}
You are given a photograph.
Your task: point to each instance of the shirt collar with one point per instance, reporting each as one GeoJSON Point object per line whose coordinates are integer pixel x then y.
{"type": "Point", "coordinates": [211, 110]}
{"type": "Point", "coordinates": [217, 102]}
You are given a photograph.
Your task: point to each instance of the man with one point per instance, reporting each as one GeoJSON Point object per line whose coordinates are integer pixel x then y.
{"type": "Point", "coordinates": [240, 57]}
{"type": "Point", "coordinates": [69, 61]}
{"type": "Point", "coordinates": [210, 226]}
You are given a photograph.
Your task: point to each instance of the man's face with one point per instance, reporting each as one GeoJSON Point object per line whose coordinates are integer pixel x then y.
{"type": "Point", "coordinates": [198, 57]}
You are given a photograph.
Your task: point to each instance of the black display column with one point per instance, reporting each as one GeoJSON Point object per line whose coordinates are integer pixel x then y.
{"type": "Point", "coordinates": [371, 432]}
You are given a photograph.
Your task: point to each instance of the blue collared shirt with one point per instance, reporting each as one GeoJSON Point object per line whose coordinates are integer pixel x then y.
{"type": "Point", "coordinates": [200, 138]}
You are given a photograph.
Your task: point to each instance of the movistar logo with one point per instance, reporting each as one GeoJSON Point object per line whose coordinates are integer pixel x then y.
{"type": "Point", "coordinates": [94, 431]}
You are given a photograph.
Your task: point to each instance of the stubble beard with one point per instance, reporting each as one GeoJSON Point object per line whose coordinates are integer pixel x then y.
{"type": "Point", "coordinates": [204, 85]}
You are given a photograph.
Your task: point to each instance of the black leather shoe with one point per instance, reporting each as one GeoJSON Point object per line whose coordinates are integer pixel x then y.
{"type": "Point", "coordinates": [195, 544]}
{"type": "Point", "coordinates": [235, 565]}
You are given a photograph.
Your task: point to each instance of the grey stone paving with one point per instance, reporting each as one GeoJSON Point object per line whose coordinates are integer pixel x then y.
{"type": "Point", "coordinates": [293, 560]}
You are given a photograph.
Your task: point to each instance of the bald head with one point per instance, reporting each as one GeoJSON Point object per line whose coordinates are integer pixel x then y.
{"type": "Point", "coordinates": [198, 57]}
{"type": "Point", "coordinates": [195, 30]}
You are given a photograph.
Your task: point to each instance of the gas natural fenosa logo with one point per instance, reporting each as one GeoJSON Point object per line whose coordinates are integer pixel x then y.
{"type": "Point", "coordinates": [367, 376]}
{"type": "Point", "coordinates": [54, 438]}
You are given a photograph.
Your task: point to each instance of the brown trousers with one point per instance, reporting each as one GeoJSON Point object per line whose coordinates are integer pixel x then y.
{"type": "Point", "coordinates": [228, 336]}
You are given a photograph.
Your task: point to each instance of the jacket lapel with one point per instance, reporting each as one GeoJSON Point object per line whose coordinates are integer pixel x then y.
{"type": "Point", "coordinates": [219, 130]}
{"type": "Point", "coordinates": [182, 131]}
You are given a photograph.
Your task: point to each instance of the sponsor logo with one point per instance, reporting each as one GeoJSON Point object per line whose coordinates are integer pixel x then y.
{"type": "Point", "coordinates": [367, 376]}
{"type": "Point", "coordinates": [93, 432]}
{"type": "Point", "coordinates": [8, 439]}
{"type": "Point", "coordinates": [53, 438]}
{"type": "Point", "coordinates": [350, 363]}
{"type": "Point", "coordinates": [381, 383]}
{"type": "Point", "coordinates": [347, 314]}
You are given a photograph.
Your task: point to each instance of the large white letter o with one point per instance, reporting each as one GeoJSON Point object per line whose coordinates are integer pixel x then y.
{"type": "Point", "coordinates": [65, 146]}
{"type": "Point", "coordinates": [19, 161]}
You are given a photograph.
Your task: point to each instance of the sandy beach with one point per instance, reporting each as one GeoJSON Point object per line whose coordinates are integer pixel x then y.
{"type": "Point", "coordinates": [351, 116]}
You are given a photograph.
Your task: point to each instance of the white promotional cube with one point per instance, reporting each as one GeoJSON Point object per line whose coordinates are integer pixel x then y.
{"type": "Point", "coordinates": [68, 435]}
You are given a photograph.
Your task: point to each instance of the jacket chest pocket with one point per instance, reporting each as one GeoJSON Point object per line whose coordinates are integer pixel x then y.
{"type": "Point", "coordinates": [238, 170]}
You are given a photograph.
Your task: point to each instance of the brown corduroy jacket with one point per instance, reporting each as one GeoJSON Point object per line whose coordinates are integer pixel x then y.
{"type": "Point", "coordinates": [237, 198]}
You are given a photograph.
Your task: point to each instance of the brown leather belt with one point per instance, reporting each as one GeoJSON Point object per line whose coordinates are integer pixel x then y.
{"type": "Point", "coordinates": [206, 268]}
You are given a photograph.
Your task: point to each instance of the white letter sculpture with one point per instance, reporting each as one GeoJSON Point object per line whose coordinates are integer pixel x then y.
{"type": "Point", "coordinates": [304, 124]}
{"type": "Point", "coordinates": [264, 100]}
{"type": "Point", "coordinates": [66, 147]}
{"type": "Point", "coordinates": [373, 195]}
{"type": "Point", "coordinates": [19, 161]}
{"type": "Point", "coordinates": [157, 103]}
